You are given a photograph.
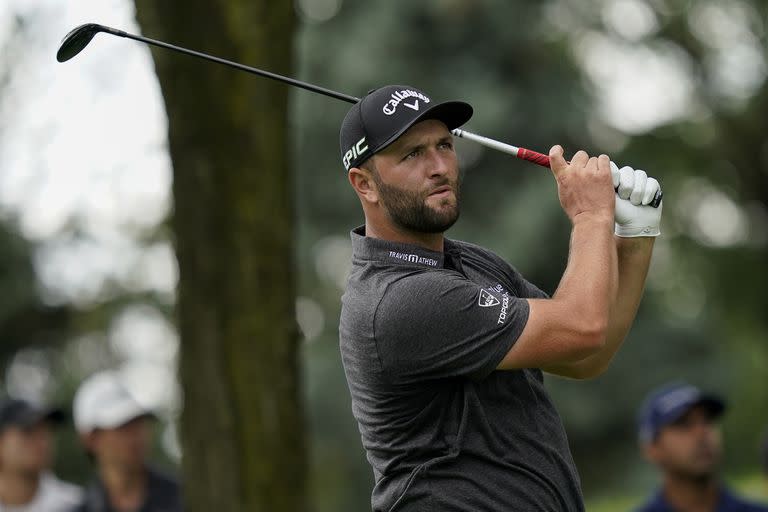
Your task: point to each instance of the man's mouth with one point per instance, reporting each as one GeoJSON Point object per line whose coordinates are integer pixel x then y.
{"type": "Point", "coordinates": [441, 191]}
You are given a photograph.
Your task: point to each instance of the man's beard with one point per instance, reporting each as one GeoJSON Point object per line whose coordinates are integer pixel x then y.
{"type": "Point", "coordinates": [701, 468]}
{"type": "Point", "coordinates": [409, 210]}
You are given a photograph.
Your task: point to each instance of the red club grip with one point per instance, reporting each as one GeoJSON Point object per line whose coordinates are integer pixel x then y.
{"type": "Point", "coordinates": [533, 156]}
{"type": "Point", "coordinates": [543, 160]}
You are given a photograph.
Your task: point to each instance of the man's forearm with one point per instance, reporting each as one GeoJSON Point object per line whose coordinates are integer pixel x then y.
{"type": "Point", "coordinates": [634, 257]}
{"type": "Point", "coordinates": [634, 260]}
{"type": "Point", "coordinates": [573, 324]}
{"type": "Point", "coordinates": [591, 272]}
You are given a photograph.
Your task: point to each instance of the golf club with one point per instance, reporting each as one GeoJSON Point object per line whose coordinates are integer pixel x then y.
{"type": "Point", "coordinates": [79, 37]}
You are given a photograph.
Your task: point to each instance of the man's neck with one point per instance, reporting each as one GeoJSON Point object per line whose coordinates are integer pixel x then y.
{"type": "Point", "coordinates": [431, 241]}
{"type": "Point", "coordinates": [18, 488]}
{"type": "Point", "coordinates": [126, 487]}
{"type": "Point", "coordinates": [691, 495]}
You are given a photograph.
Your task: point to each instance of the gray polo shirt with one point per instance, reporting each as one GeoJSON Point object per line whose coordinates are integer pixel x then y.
{"type": "Point", "coordinates": [421, 334]}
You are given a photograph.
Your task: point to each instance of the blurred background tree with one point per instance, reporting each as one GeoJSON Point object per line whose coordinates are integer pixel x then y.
{"type": "Point", "coordinates": [242, 426]}
{"type": "Point", "coordinates": [674, 87]}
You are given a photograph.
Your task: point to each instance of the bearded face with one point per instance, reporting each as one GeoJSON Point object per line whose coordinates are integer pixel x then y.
{"type": "Point", "coordinates": [433, 210]}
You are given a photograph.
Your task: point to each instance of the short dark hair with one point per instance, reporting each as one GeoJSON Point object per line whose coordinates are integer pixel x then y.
{"type": "Point", "coordinates": [369, 165]}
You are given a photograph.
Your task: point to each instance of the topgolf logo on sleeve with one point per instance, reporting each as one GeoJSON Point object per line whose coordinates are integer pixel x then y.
{"type": "Point", "coordinates": [489, 298]}
{"type": "Point", "coordinates": [400, 97]}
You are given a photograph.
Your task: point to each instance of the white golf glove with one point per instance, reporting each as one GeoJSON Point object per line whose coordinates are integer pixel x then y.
{"type": "Point", "coordinates": [634, 192]}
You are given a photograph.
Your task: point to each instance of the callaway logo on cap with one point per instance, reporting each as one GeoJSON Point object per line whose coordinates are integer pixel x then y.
{"type": "Point", "coordinates": [384, 114]}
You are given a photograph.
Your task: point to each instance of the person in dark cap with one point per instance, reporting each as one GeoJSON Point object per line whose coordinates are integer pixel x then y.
{"type": "Point", "coordinates": [26, 450]}
{"type": "Point", "coordinates": [764, 455]}
{"type": "Point", "coordinates": [678, 432]}
{"type": "Point", "coordinates": [444, 343]}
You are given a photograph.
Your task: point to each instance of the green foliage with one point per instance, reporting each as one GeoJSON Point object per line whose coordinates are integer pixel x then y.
{"type": "Point", "coordinates": [17, 277]}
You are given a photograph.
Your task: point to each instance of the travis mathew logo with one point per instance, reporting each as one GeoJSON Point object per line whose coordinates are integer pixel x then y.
{"type": "Point", "coordinates": [397, 97]}
{"type": "Point", "coordinates": [413, 258]}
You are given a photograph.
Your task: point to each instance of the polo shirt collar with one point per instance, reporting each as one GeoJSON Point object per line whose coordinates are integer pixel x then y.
{"type": "Point", "coordinates": [727, 502]}
{"type": "Point", "coordinates": [395, 253]}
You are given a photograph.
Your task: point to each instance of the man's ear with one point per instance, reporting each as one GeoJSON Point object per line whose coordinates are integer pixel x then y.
{"type": "Point", "coordinates": [362, 181]}
{"type": "Point", "coordinates": [89, 440]}
{"type": "Point", "coordinates": [650, 451]}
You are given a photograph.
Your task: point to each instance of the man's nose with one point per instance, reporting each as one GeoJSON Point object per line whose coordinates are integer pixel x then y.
{"type": "Point", "coordinates": [701, 427]}
{"type": "Point", "coordinates": [439, 163]}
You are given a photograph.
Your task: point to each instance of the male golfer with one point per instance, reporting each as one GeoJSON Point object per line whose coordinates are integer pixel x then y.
{"type": "Point", "coordinates": [444, 343]}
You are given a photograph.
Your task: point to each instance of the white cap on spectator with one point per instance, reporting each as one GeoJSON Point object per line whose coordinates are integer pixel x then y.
{"type": "Point", "coordinates": [103, 401]}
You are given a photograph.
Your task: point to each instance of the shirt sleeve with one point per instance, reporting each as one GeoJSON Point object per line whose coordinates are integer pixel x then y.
{"type": "Point", "coordinates": [524, 287]}
{"type": "Point", "coordinates": [435, 325]}
{"type": "Point", "coordinates": [531, 291]}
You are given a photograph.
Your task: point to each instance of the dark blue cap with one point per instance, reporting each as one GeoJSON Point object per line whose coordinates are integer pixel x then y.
{"type": "Point", "coordinates": [384, 114]}
{"type": "Point", "coordinates": [20, 413]}
{"type": "Point", "coordinates": [669, 403]}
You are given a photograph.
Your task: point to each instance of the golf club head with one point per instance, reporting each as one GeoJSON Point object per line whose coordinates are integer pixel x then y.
{"type": "Point", "coordinates": [77, 39]}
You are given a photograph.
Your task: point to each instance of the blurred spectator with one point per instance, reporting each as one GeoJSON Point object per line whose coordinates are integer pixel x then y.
{"type": "Point", "coordinates": [117, 431]}
{"type": "Point", "coordinates": [679, 434]}
{"type": "Point", "coordinates": [764, 454]}
{"type": "Point", "coordinates": [26, 451]}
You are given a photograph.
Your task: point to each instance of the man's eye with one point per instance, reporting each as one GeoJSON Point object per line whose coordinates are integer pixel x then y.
{"type": "Point", "coordinates": [412, 154]}
{"type": "Point", "coordinates": [446, 145]}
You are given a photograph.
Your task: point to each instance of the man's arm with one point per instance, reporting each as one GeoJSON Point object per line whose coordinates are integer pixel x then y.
{"type": "Point", "coordinates": [634, 257]}
{"type": "Point", "coordinates": [574, 323]}
{"type": "Point", "coordinates": [561, 335]}
{"type": "Point", "coordinates": [637, 225]}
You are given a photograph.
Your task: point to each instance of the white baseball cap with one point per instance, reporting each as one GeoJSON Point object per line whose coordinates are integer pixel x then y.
{"type": "Point", "coordinates": [103, 401]}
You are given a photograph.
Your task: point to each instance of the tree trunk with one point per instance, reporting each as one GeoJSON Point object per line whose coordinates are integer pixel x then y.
{"type": "Point", "coordinates": [242, 427]}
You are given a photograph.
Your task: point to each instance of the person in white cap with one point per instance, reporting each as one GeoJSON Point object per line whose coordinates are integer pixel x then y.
{"type": "Point", "coordinates": [116, 432]}
{"type": "Point", "coordinates": [26, 449]}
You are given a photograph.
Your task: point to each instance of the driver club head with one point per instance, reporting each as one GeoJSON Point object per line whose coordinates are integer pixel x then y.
{"type": "Point", "coordinates": [76, 40]}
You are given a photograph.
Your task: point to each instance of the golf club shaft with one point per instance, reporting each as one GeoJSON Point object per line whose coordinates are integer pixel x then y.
{"type": "Point", "coordinates": [525, 154]}
{"type": "Point", "coordinates": [522, 153]}
{"type": "Point", "coordinates": [242, 67]}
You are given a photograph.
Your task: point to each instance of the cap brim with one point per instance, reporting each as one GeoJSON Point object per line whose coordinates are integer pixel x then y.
{"type": "Point", "coordinates": [452, 113]}
{"type": "Point", "coordinates": [56, 416]}
{"type": "Point", "coordinates": [119, 415]}
{"type": "Point", "coordinates": [32, 417]}
{"type": "Point", "coordinates": [714, 406]}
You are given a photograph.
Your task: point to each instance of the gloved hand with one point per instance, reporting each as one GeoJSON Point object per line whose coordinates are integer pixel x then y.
{"type": "Point", "coordinates": [634, 191]}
